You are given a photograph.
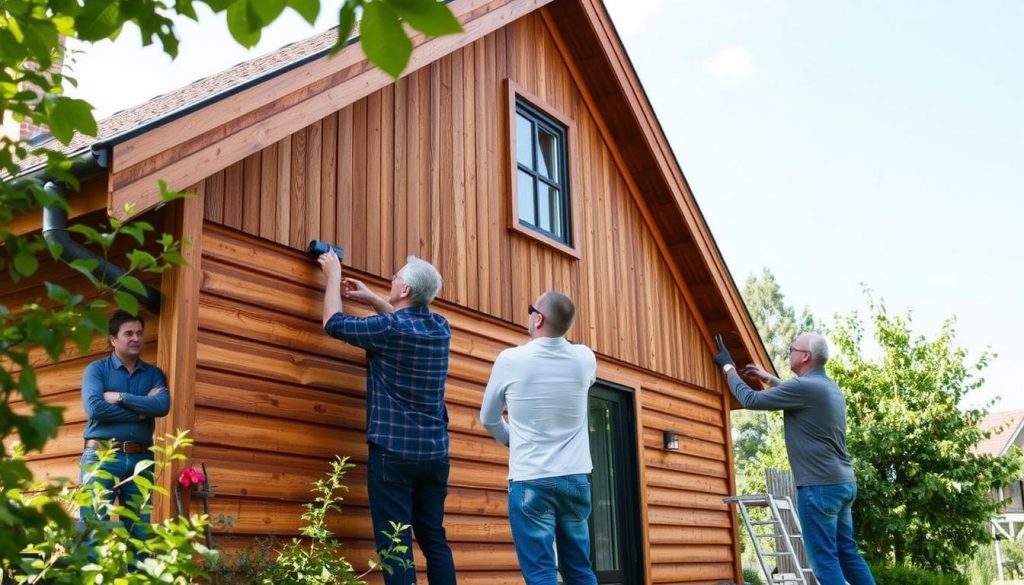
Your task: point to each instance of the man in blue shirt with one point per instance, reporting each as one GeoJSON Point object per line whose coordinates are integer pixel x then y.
{"type": "Point", "coordinates": [406, 418]}
{"type": "Point", "coordinates": [122, 395]}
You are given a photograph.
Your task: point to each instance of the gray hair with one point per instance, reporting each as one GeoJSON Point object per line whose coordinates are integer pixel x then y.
{"type": "Point", "coordinates": [818, 346]}
{"type": "Point", "coordinates": [424, 280]}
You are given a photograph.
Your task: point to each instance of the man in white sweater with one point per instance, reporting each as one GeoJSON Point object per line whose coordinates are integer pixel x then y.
{"type": "Point", "coordinates": [545, 385]}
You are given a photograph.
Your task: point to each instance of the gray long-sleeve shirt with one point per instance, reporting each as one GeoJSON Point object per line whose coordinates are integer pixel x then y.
{"type": "Point", "coordinates": [814, 411]}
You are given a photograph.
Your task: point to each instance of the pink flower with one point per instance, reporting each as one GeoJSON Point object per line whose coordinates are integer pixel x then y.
{"type": "Point", "coordinates": [190, 476]}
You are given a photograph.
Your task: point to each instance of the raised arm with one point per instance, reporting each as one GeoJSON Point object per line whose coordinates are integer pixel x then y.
{"type": "Point", "coordinates": [331, 266]}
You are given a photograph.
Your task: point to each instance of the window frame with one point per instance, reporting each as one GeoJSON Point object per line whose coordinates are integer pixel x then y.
{"type": "Point", "coordinates": [540, 109]}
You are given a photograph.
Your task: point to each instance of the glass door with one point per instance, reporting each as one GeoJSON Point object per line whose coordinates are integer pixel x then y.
{"type": "Point", "coordinates": [615, 537]}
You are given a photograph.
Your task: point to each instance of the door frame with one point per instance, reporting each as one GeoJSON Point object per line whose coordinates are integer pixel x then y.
{"type": "Point", "coordinates": [630, 487]}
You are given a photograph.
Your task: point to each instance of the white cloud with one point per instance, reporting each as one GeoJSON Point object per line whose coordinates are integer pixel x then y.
{"type": "Point", "coordinates": [730, 65]}
{"type": "Point", "coordinates": [632, 16]}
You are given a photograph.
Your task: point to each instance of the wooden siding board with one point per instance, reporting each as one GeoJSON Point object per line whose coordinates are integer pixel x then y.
{"type": "Point", "coordinates": [360, 174]}
{"type": "Point", "coordinates": [233, 195]}
{"type": "Point", "coordinates": [329, 180]}
{"type": "Point", "coordinates": [343, 223]}
{"type": "Point", "coordinates": [251, 184]}
{"type": "Point", "coordinates": [298, 192]}
{"type": "Point", "coordinates": [314, 192]}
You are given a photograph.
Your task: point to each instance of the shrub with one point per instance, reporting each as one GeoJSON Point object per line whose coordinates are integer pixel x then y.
{"type": "Point", "coordinates": [899, 575]}
{"type": "Point", "coordinates": [313, 562]}
{"type": "Point", "coordinates": [65, 556]}
{"type": "Point", "coordinates": [751, 577]}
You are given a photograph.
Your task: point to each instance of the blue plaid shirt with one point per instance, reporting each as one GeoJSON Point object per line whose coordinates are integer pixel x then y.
{"type": "Point", "coordinates": [406, 368]}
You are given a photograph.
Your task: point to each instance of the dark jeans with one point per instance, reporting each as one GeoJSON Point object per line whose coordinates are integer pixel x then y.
{"type": "Point", "coordinates": [127, 495]}
{"type": "Point", "coordinates": [551, 514]}
{"type": "Point", "coordinates": [411, 492]}
{"type": "Point", "coordinates": [826, 518]}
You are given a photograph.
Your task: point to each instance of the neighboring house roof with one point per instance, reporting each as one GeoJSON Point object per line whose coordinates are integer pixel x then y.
{"type": "Point", "coordinates": [1005, 428]}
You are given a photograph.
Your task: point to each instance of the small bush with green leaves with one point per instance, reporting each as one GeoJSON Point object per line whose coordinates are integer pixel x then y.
{"type": "Point", "coordinates": [173, 554]}
{"type": "Point", "coordinates": [316, 561]}
{"type": "Point", "coordinates": [751, 577]}
{"type": "Point", "coordinates": [899, 575]}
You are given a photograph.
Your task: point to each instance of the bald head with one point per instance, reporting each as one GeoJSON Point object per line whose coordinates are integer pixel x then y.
{"type": "Point", "coordinates": [558, 310]}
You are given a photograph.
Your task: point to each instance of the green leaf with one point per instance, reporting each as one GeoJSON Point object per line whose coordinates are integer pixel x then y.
{"type": "Point", "coordinates": [241, 25]}
{"type": "Point", "coordinates": [264, 12]}
{"type": "Point", "coordinates": [58, 293]}
{"type": "Point", "coordinates": [427, 16]}
{"type": "Point", "coordinates": [383, 39]}
{"type": "Point", "coordinates": [25, 263]}
{"type": "Point", "coordinates": [86, 267]}
{"type": "Point", "coordinates": [140, 259]}
{"type": "Point", "coordinates": [308, 9]}
{"type": "Point", "coordinates": [168, 195]}
{"type": "Point", "coordinates": [127, 302]}
{"type": "Point", "coordinates": [135, 232]}
{"type": "Point", "coordinates": [222, 5]}
{"type": "Point", "coordinates": [82, 335]}
{"type": "Point", "coordinates": [66, 115]}
{"type": "Point", "coordinates": [346, 22]}
{"type": "Point", "coordinates": [131, 284]}
{"type": "Point", "coordinates": [185, 8]}
{"type": "Point", "coordinates": [98, 20]}
{"type": "Point", "coordinates": [90, 233]}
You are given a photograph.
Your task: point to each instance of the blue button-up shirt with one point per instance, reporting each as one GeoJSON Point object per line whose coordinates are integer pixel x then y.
{"type": "Point", "coordinates": [406, 368]}
{"type": "Point", "coordinates": [132, 420]}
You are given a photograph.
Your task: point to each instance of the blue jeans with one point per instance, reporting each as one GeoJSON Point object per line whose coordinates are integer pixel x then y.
{"type": "Point", "coordinates": [413, 493]}
{"type": "Point", "coordinates": [826, 517]}
{"type": "Point", "coordinates": [121, 467]}
{"type": "Point", "coordinates": [548, 513]}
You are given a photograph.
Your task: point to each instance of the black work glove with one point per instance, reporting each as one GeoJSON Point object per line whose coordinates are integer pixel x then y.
{"type": "Point", "coordinates": [722, 357]}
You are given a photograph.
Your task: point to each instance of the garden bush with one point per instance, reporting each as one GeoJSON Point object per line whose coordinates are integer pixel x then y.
{"type": "Point", "coordinates": [899, 575]}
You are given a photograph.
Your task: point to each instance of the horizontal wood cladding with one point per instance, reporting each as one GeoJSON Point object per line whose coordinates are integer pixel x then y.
{"type": "Point", "coordinates": [275, 399]}
{"type": "Point", "coordinates": [60, 384]}
{"type": "Point", "coordinates": [421, 167]}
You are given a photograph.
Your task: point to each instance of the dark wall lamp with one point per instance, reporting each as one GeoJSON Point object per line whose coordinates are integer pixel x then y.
{"type": "Point", "coordinates": [671, 441]}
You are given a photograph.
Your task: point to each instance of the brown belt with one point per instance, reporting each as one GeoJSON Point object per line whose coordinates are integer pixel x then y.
{"type": "Point", "coordinates": [129, 448]}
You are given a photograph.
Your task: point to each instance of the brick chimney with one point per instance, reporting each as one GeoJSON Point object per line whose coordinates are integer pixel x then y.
{"type": "Point", "coordinates": [28, 130]}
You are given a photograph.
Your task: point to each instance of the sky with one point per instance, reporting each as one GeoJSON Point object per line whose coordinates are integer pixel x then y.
{"type": "Point", "coordinates": [843, 145]}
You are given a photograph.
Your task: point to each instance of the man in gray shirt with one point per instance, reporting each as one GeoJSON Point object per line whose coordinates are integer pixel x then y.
{"type": "Point", "coordinates": [814, 411]}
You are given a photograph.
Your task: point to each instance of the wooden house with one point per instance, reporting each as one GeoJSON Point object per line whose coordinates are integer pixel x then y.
{"type": "Point", "coordinates": [518, 157]}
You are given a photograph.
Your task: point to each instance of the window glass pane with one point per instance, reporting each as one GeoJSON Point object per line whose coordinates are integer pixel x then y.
{"type": "Point", "coordinates": [525, 186]}
{"type": "Point", "coordinates": [544, 208]}
{"type": "Point", "coordinates": [547, 149]}
{"type": "Point", "coordinates": [524, 141]}
{"type": "Point", "coordinates": [553, 196]}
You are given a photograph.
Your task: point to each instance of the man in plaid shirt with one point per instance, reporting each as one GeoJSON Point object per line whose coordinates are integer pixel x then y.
{"type": "Point", "coordinates": [406, 419]}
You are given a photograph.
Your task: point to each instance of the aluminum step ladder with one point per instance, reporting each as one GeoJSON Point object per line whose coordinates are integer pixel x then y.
{"type": "Point", "coordinates": [774, 528]}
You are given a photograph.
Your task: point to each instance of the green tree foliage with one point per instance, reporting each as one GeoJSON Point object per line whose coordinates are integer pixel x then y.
{"type": "Point", "coordinates": [757, 436]}
{"type": "Point", "coordinates": [924, 496]}
{"type": "Point", "coordinates": [31, 88]}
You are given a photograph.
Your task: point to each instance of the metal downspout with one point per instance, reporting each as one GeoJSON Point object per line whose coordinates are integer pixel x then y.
{"type": "Point", "coordinates": [55, 231]}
